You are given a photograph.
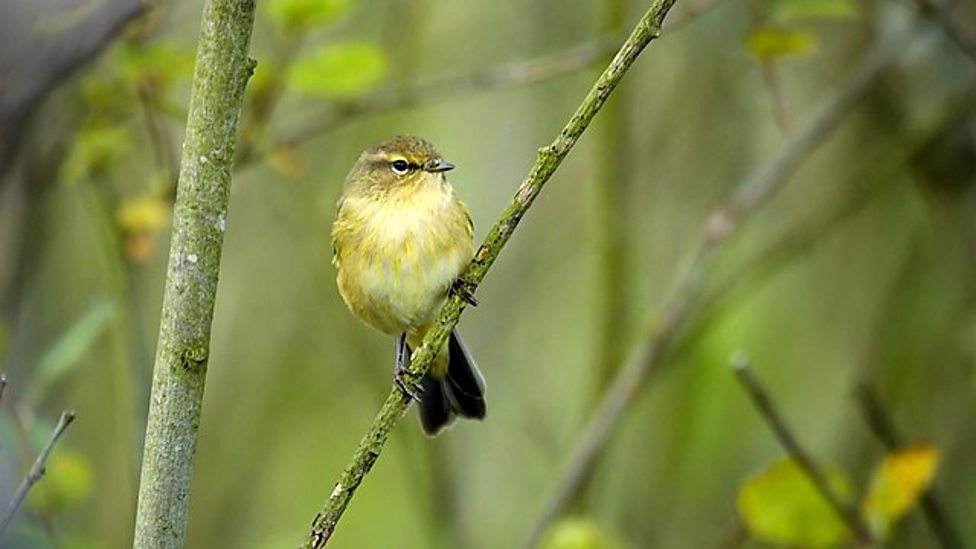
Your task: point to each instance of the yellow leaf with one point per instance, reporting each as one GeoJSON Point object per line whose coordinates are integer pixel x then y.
{"type": "Point", "coordinates": [897, 484]}
{"type": "Point", "coordinates": [142, 214]}
{"type": "Point", "coordinates": [769, 43]}
{"type": "Point", "coordinates": [780, 505]}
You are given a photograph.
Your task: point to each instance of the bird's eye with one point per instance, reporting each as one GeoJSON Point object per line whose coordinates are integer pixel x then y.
{"type": "Point", "coordinates": [400, 166]}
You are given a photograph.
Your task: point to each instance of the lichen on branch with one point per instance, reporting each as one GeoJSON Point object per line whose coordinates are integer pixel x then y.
{"type": "Point", "coordinates": [548, 160]}
{"type": "Point", "coordinates": [199, 218]}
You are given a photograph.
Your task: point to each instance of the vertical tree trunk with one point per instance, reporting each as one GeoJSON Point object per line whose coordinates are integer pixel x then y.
{"type": "Point", "coordinates": [199, 217]}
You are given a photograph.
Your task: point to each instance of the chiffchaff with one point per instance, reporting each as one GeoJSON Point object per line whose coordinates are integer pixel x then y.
{"type": "Point", "coordinates": [400, 240]}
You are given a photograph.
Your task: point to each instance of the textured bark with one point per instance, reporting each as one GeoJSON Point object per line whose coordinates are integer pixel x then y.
{"type": "Point", "coordinates": [199, 217]}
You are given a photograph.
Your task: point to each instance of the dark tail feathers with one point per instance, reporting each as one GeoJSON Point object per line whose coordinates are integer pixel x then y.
{"type": "Point", "coordinates": [460, 393]}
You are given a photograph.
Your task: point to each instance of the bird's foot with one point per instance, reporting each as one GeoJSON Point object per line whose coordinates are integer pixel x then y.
{"type": "Point", "coordinates": [464, 290]}
{"type": "Point", "coordinates": [410, 389]}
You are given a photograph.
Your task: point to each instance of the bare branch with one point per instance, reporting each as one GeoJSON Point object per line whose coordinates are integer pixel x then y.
{"type": "Point", "coordinates": [549, 159]}
{"type": "Point", "coordinates": [759, 396]}
{"type": "Point", "coordinates": [879, 421]}
{"type": "Point", "coordinates": [685, 301]}
{"type": "Point", "coordinates": [777, 99]}
{"type": "Point", "coordinates": [941, 14]}
{"type": "Point", "coordinates": [37, 471]}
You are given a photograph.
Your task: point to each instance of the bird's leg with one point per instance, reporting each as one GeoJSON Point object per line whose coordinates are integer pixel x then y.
{"type": "Point", "coordinates": [402, 361]}
{"type": "Point", "coordinates": [465, 291]}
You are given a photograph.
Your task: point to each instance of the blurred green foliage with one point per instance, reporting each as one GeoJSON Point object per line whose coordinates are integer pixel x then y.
{"type": "Point", "coordinates": [787, 11]}
{"type": "Point", "coordinates": [95, 151]}
{"type": "Point", "coordinates": [341, 70]}
{"type": "Point", "coordinates": [300, 15]}
{"type": "Point", "coordinates": [873, 241]}
{"type": "Point", "coordinates": [67, 352]}
{"type": "Point", "coordinates": [772, 43]}
{"type": "Point", "coordinates": [67, 482]}
{"type": "Point", "coordinates": [780, 505]}
{"type": "Point", "coordinates": [580, 533]}
{"type": "Point", "coordinates": [157, 64]}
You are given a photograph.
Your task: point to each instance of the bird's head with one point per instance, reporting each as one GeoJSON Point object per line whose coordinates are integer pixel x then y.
{"type": "Point", "coordinates": [398, 162]}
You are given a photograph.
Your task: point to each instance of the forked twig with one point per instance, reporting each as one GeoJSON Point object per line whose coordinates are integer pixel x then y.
{"type": "Point", "coordinates": [37, 470]}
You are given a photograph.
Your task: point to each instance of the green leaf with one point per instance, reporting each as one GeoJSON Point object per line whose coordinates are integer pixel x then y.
{"type": "Point", "coordinates": [67, 480]}
{"type": "Point", "coordinates": [157, 64]}
{"type": "Point", "coordinates": [71, 347]}
{"type": "Point", "coordinates": [790, 11]}
{"type": "Point", "coordinates": [299, 15]}
{"type": "Point", "coordinates": [106, 98]}
{"type": "Point", "coordinates": [95, 149]}
{"type": "Point", "coordinates": [897, 484]}
{"type": "Point", "coordinates": [340, 71]}
{"type": "Point", "coordinates": [580, 533]}
{"type": "Point", "coordinates": [780, 505]}
{"type": "Point", "coordinates": [770, 43]}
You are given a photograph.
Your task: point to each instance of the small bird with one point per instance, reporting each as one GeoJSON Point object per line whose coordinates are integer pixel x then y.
{"type": "Point", "coordinates": [400, 240]}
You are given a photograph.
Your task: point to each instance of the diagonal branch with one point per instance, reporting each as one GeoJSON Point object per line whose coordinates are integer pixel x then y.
{"type": "Point", "coordinates": [685, 302]}
{"type": "Point", "coordinates": [549, 158]}
{"type": "Point", "coordinates": [958, 33]}
{"type": "Point", "coordinates": [847, 514]}
{"type": "Point", "coordinates": [37, 471]}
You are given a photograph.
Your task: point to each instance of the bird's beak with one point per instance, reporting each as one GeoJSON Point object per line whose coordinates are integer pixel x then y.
{"type": "Point", "coordinates": [439, 166]}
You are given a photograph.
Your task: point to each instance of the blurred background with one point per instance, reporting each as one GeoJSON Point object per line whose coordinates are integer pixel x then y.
{"type": "Point", "coordinates": [858, 274]}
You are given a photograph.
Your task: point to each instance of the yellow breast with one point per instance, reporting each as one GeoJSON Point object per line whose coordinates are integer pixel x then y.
{"type": "Point", "coordinates": [398, 253]}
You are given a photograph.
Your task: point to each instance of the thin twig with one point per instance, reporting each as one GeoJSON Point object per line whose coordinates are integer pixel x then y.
{"type": "Point", "coordinates": [941, 14]}
{"type": "Point", "coordinates": [759, 396]}
{"type": "Point", "coordinates": [774, 89]}
{"type": "Point", "coordinates": [37, 471]}
{"type": "Point", "coordinates": [879, 421]}
{"type": "Point", "coordinates": [3, 386]}
{"type": "Point", "coordinates": [548, 160]}
{"type": "Point", "coordinates": [770, 78]}
{"type": "Point", "coordinates": [684, 302]}
{"type": "Point", "coordinates": [158, 138]}
{"type": "Point", "coordinates": [23, 420]}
